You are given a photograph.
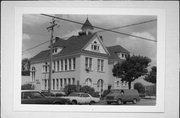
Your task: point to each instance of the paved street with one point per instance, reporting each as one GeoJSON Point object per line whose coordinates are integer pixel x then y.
{"type": "Point", "coordinates": [141, 102]}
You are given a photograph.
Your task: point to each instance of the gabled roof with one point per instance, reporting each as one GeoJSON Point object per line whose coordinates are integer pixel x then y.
{"type": "Point", "coordinates": [73, 45]}
{"type": "Point", "coordinates": [87, 25]}
{"type": "Point", "coordinates": [113, 50]}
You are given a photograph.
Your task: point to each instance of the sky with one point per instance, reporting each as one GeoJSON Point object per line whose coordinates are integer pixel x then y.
{"type": "Point", "coordinates": [35, 32]}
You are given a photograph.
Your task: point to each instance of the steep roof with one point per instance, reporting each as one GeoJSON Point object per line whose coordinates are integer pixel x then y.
{"type": "Point", "coordinates": [73, 45]}
{"type": "Point", "coordinates": [113, 50]}
{"type": "Point", "coordinates": [87, 25]}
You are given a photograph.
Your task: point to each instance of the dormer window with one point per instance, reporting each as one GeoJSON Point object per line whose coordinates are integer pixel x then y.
{"type": "Point", "coordinates": [122, 55]}
{"type": "Point", "coordinates": [95, 46]}
{"type": "Point", "coordinates": [56, 50]}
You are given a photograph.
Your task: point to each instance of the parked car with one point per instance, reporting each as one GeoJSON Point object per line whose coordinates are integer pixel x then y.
{"type": "Point", "coordinates": [35, 97]}
{"type": "Point", "coordinates": [123, 96]}
{"type": "Point", "coordinates": [53, 94]}
{"type": "Point", "coordinates": [82, 98]}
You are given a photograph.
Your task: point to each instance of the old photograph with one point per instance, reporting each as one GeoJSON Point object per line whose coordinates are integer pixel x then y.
{"type": "Point", "coordinates": [85, 59]}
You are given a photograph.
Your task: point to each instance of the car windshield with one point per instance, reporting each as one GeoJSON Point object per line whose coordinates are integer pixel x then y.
{"type": "Point", "coordinates": [32, 95]}
{"type": "Point", "coordinates": [74, 94]}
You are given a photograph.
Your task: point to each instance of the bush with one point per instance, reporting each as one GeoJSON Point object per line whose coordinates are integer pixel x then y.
{"type": "Point", "coordinates": [95, 94]}
{"type": "Point", "coordinates": [87, 89]}
{"type": "Point", "coordinates": [139, 87]}
{"type": "Point", "coordinates": [151, 90]}
{"type": "Point", "coordinates": [70, 88]}
{"type": "Point", "coordinates": [27, 87]}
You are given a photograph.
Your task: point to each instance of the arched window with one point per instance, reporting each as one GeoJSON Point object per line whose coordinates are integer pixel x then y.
{"type": "Point", "coordinates": [88, 82]}
{"type": "Point", "coordinates": [100, 83]}
{"type": "Point", "coordinates": [33, 73]}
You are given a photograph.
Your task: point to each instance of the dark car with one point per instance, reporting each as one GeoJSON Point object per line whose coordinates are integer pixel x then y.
{"type": "Point", "coordinates": [123, 96]}
{"type": "Point", "coordinates": [53, 94]}
{"type": "Point", "coordinates": [35, 97]}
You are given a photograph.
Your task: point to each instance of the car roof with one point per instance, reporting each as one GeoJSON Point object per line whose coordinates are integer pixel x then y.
{"type": "Point", "coordinates": [79, 93]}
{"type": "Point", "coordinates": [123, 89]}
{"type": "Point", "coordinates": [30, 91]}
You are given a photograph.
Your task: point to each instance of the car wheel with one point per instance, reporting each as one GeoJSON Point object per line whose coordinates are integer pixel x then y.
{"type": "Point", "coordinates": [124, 102]}
{"type": "Point", "coordinates": [92, 102]}
{"type": "Point", "coordinates": [119, 101]}
{"type": "Point", "coordinates": [108, 102]}
{"type": "Point", "coordinates": [134, 101]}
{"type": "Point", "coordinates": [74, 102]}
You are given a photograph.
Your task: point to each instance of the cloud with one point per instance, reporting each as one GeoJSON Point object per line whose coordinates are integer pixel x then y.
{"type": "Point", "coordinates": [35, 19]}
{"type": "Point", "coordinates": [140, 47]}
{"type": "Point", "coordinates": [26, 36]}
{"type": "Point", "coordinates": [71, 33]}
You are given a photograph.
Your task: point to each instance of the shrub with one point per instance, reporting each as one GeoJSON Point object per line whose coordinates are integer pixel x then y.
{"type": "Point", "coordinates": [87, 89]}
{"type": "Point", "coordinates": [27, 87]}
{"type": "Point", "coordinates": [95, 94]}
{"type": "Point", "coordinates": [151, 90]}
{"type": "Point", "coordinates": [70, 88]}
{"type": "Point", "coordinates": [139, 87]}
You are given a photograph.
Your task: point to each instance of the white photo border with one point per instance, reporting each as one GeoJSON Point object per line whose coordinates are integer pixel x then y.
{"type": "Point", "coordinates": [160, 13]}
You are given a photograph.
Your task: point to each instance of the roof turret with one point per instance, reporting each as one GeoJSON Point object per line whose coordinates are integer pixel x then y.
{"type": "Point", "coordinates": [87, 26]}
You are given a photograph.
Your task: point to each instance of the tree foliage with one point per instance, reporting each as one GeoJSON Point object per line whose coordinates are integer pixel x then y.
{"type": "Point", "coordinates": [132, 68]}
{"type": "Point", "coordinates": [25, 67]}
{"type": "Point", "coordinates": [151, 77]}
{"type": "Point", "coordinates": [77, 88]}
{"type": "Point", "coordinates": [139, 87]}
{"type": "Point", "coordinates": [70, 88]}
{"type": "Point", "coordinates": [27, 87]}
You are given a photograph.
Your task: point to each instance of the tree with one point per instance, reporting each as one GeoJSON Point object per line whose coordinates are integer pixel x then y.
{"type": "Point", "coordinates": [27, 87]}
{"type": "Point", "coordinates": [131, 68]}
{"type": "Point", "coordinates": [25, 67]}
{"type": "Point", "coordinates": [151, 77]}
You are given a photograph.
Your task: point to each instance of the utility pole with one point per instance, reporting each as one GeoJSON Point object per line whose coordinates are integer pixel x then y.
{"type": "Point", "coordinates": [51, 28]}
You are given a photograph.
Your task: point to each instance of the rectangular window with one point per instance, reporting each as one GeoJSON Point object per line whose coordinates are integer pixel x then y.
{"type": "Point", "coordinates": [98, 65]}
{"type": "Point", "coordinates": [65, 64]}
{"type": "Point", "coordinates": [70, 64]}
{"type": "Point", "coordinates": [57, 65]}
{"type": "Point", "coordinates": [62, 65]}
{"type": "Point", "coordinates": [45, 84]}
{"type": "Point", "coordinates": [57, 84]}
{"type": "Point", "coordinates": [88, 63]}
{"type": "Point", "coordinates": [61, 82]}
{"type": "Point", "coordinates": [54, 65]}
{"type": "Point", "coordinates": [65, 82]}
{"type": "Point", "coordinates": [102, 65]}
{"type": "Point", "coordinates": [74, 63]}
{"type": "Point", "coordinates": [53, 84]}
{"type": "Point", "coordinates": [73, 81]}
{"type": "Point", "coordinates": [69, 81]}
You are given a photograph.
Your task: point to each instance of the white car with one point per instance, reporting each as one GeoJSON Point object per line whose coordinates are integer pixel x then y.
{"type": "Point", "coordinates": [82, 98]}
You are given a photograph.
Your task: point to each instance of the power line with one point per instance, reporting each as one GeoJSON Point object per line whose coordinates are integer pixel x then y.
{"type": "Point", "coordinates": [35, 46]}
{"type": "Point", "coordinates": [115, 28]}
{"type": "Point", "coordinates": [98, 31]}
{"type": "Point", "coordinates": [101, 28]}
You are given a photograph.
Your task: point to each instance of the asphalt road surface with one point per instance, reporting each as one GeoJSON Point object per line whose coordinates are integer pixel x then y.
{"type": "Point", "coordinates": [146, 102]}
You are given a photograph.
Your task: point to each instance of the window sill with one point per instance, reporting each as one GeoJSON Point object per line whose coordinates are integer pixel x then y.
{"type": "Point", "coordinates": [101, 71]}
{"type": "Point", "coordinates": [58, 71]}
